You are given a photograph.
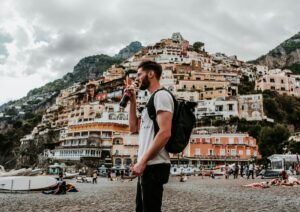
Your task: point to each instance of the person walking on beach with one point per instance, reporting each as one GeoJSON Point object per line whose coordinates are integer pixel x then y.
{"type": "Point", "coordinates": [95, 177]}
{"type": "Point", "coordinates": [242, 170]}
{"type": "Point", "coordinates": [226, 171]}
{"type": "Point", "coordinates": [153, 165]}
{"type": "Point", "coordinates": [236, 171]}
{"type": "Point", "coordinates": [251, 171]}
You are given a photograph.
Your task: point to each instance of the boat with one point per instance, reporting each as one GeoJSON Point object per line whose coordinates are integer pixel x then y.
{"type": "Point", "coordinates": [69, 175]}
{"type": "Point", "coordinates": [176, 171]}
{"type": "Point", "coordinates": [26, 183]}
{"type": "Point", "coordinates": [183, 169]}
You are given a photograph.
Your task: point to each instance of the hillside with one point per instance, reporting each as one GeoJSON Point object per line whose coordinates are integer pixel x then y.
{"type": "Point", "coordinates": [24, 114]}
{"type": "Point", "coordinates": [285, 55]}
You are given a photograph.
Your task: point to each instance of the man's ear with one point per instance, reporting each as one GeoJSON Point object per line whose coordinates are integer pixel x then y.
{"type": "Point", "coordinates": [151, 74]}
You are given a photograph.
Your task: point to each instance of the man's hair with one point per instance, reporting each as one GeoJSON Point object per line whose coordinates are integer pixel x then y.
{"type": "Point", "coordinates": [151, 66]}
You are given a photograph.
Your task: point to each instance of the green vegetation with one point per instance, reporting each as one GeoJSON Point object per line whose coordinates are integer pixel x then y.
{"type": "Point", "coordinates": [283, 109]}
{"type": "Point", "coordinates": [87, 68]}
{"type": "Point", "coordinates": [246, 87]}
{"type": "Point", "coordinates": [10, 139]}
{"type": "Point", "coordinates": [295, 68]}
{"type": "Point", "coordinates": [197, 46]}
{"type": "Point", "coordinates": [271, 139]}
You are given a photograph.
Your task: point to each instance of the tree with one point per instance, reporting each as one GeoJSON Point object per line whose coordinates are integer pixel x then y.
{"type": "Point", "coordinates": [272, 139]}
{"type": "Point", "coordinates": [197, 46]}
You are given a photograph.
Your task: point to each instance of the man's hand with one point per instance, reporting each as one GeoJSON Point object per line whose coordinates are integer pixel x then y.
{"type": "Point", "coordinates": [138, 168]}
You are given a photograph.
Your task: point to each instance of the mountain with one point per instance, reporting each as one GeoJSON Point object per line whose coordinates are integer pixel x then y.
{"type": "Point", "coordinates": [129, 50]}
{"type": "Point", "coordinates": [87, 68]}
{"type": "Point", "coordinates": [286, 55]}
{"type": "Point", "coordinates": [22, 115]}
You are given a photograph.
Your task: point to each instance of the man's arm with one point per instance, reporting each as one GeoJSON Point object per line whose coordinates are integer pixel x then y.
{"type": "Point", "coordinates": [133, 120]}
{"type": "Point", "coordinates": [164, 121]}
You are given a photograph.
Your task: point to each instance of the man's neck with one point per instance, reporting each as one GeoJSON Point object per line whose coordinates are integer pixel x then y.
{"type": "Point", "coordinates": [153, 87]}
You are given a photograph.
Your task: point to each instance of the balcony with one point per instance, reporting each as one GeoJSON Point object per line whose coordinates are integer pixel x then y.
{"type": "Point", "coordinates": [212, 157]}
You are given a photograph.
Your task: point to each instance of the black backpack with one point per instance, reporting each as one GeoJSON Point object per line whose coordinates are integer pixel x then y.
{"type": "Point", "coordinates": [182, 124]}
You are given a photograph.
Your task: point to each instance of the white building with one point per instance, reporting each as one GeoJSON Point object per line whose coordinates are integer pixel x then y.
{"type": "Point", "coordinates": [251, 107]}
{"type": "Point", "coordinates": [221, 108]}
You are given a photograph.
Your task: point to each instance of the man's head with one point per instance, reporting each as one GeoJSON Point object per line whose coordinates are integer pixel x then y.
{"type": "Point", "coordinates": [148, 72]}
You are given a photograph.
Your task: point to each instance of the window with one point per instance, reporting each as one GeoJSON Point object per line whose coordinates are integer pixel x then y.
{"type": "Point", "coordinates": [248, 152]}
{"type": "Point", "coordinates": [241, 152]}
{"type": "Point", "coordinates": [272, 80]}
{"type": "Point", "coordinates": [197, 152]}
{"type": "Point", "coordinates": [231, 141]}
{"type": "Point", "coordinates": [218, 141]}
{"type": "Point", "coordinates": [222, 152]}
{"type": "Point", "coordinates": [230, 107]}
{"type": "Point", "coordinates": [282, 81]}
{"type": "Point", "coordinates": [241, 140]}
{"type": "Point", "coordinates": [210, 152]}
{"type": "Point", "coordinates": [233, 152]}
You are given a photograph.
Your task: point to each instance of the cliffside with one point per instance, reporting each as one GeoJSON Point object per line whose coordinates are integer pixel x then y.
{"type": "Point", "coordinates": [286, 55]}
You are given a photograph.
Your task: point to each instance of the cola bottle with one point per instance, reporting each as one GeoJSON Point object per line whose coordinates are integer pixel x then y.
{"type": "Point", "coordinates": [124, 101]}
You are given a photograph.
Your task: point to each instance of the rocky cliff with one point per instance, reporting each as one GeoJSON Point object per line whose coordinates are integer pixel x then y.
{"type": "Point", "coordinates": [285, 55]}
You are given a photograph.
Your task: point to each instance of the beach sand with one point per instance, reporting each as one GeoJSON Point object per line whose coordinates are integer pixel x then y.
{"type": "Point", "coordinates": [194, 195]}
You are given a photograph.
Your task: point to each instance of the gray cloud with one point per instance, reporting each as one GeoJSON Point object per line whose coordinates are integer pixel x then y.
{"type": "Point", "coordinates": [4, 39]}
{"type": "Point", "coordinates": [48, 38]}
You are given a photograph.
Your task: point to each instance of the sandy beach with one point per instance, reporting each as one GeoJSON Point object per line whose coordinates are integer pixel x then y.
{"type": "Point", "coordinates": [194, 195]}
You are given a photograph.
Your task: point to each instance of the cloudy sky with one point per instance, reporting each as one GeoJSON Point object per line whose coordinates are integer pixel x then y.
{"type": "Point", "coordinates": [41, 40]}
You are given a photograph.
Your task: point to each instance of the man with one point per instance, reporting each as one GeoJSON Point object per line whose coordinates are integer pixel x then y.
{"type": "Point", "coordinates": [95, 177]}
{"type": "Point", "coordinates": [153, 165]}
{"type": "Point", "coordinates": [251, 171]}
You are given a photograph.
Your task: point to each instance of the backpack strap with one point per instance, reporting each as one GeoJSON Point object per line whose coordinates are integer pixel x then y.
{"type": "Point", "coordinates": [152, 111]}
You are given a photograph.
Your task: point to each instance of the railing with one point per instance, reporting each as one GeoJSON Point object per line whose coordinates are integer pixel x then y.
{"type": "Point", "coordinates": [215, 157]}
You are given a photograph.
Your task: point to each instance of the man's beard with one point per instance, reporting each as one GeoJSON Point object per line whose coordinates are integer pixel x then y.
{"type": "Point", "coordinates": [145, 83]}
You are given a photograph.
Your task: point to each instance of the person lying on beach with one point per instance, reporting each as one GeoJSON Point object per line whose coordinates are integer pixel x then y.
{"type": "Point", "coordinates": [275, 182]}
{"type": "Point", "coordinates": [258, 185]}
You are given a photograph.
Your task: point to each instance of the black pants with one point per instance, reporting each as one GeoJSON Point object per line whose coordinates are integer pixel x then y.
{"type": "Point", "coordinates": [94, 180]}
{"type": "Point", "coordinates": [251, 172]}
{"type": "Point", "coordinates": [150, 188]}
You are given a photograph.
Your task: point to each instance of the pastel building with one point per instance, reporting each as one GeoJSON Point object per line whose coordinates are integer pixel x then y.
{"type": "Point", "coordinates": [219, 148]}
{"type": "Point", "coordinates": [251, 107]}
{"type": "Point", "coordinates": [221, 108]}
{"type": "Point", "coordinates": [124, 150]}
{"type": "Point", "coordinates": [207, 89]}
{"type": "Point", "coordinates": [281, 81]}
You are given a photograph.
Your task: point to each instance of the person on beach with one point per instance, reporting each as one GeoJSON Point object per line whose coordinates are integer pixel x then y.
{"type": "Point", "coordinates": [153, 165]}
{"type": "Point", "coordinates": [95, 177]}
{"type": "Point", "coordinates": [258, 185]}
{"type": "Point", "coordinates": [226, 171]}
{"type": "Point", "coordinates": [60, 174]}
{"type": "Point", "coordinates": [251, 171]}
{"type": "Point", "coordinates": [242, 170]}
{"type": "Point", "coordinates": [236, 171]}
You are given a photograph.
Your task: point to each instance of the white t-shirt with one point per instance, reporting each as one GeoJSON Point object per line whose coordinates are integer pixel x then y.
{"type": "Point", "coordinates": [163, 101]}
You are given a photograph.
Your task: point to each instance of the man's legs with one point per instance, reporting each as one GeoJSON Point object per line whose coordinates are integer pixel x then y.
{"type": "Point", "coordinates": [150, 189]}
{"type": "Point", "coordinates": [138, 199]}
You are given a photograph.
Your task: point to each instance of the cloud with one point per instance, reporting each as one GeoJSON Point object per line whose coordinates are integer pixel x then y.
{"type": "Point", "coordinates": [46, 39]}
